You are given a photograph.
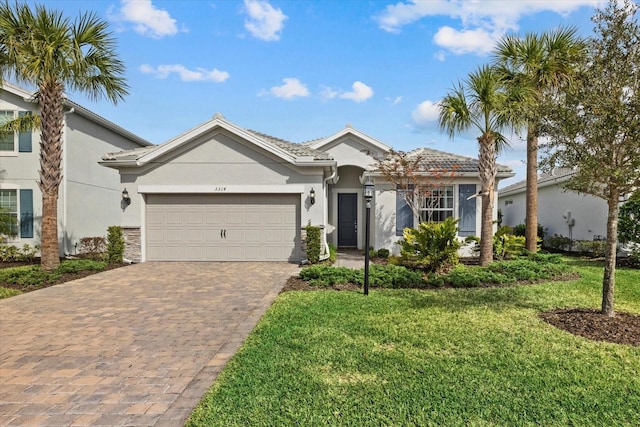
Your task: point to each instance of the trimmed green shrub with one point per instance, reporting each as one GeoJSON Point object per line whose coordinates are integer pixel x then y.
{"type": "Point", "coordinates": [80, 265]}
{"type": "Point", "coordinates": [115, 244]}
{"type": "Point", "coordinates": [532, 268]}
{"type": "Point", "coordinates": [333, 253]}
{"type": "Point", "coordinates": [431, 246]}
{"type": "Point", "coordinates": [507, 245]}
{"type": "Point", "coordinates": [557, 242]}
{"type": "Point", "coordinates": [383, 253]}
{"type": "Point", "coordinates": [593, 248]}
{"type": "Point", "coordinates": [313, 243]}
{"type": "Point", "coordinates": [387, 276]}
{"type": "Point", "coordinates": [520, 230]}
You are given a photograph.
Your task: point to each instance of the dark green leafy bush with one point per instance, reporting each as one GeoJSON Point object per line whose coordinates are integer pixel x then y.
{"type": "Point", "coordinates": [557, 243]}
{"type": "Point", "coordinates": [431, 246]}
{"type": "Point", "coordinates": [388, 276]}
{"type": "Point", "coordinates": [115, 244]}
{"type": "Point", "coordinates": [520, 230]}
{"type": "Point", "coordinates": [383, 253]}
{"type": "Point", "coordinates": [593, 248]}
{"type": "Point", "coordinates": [34, 276]}
{"type": "Point", "coordinates": [313, 243]}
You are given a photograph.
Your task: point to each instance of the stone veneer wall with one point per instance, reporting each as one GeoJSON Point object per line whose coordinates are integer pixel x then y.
{"type": "Point", "coordinates": [132, 243]}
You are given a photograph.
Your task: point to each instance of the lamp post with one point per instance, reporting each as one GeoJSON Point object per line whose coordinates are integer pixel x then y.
{"type": "Point", "coordinates": [368, 195]}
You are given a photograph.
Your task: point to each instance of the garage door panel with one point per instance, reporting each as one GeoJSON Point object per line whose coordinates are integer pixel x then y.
{"type": "Point", "coordinates": [190, 227]}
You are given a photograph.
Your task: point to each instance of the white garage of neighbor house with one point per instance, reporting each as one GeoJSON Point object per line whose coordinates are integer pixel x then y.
{"type": "Point", "coordinates": [219, 192]}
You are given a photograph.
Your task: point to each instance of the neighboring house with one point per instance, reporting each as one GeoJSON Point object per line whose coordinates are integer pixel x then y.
{"type": "Point", "coordinates": [562, 212]}
{"type": "Point", "coordinates": [89, 194]}
{"type": "Point", "coordinates": [221, 192]}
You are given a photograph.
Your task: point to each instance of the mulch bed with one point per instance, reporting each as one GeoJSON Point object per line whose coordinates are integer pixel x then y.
{"type": "Point", "coordinates": [623, 328]}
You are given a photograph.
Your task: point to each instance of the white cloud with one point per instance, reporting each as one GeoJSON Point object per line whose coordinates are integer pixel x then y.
{"type": "Point", "coordinates": [186, 75]}
{"type": "Point", "coordinates": [394, 101]}
{"type": "Point", "coordinates": [147, 19]}
{"type": "Point", "coordinates": [361, 92]}
{"type": "Point", "coordinates": [425, 113]}
{"type": "Point", "coordinates": [466, 41]}
{"type": "Point", "coordinates": [440, 56]}
{"type": "Point", "coordinates": [488, 19]}
{"type": "Point", "coordinates": [328, 93]}
{"type": "Point", "coordinates": [291, 88]}
{"type": "Point", "coordinates": [264, 22]}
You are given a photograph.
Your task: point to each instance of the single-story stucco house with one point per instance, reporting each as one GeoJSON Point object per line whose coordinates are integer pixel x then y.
{"type": "Point", "coordinates": [560, 211]}
{"type": "Point", "coordinates": [89, 194]}
{"type": "Point", "coordinates": [220, 192]}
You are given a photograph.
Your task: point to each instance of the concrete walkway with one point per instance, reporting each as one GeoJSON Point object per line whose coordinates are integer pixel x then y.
{"type": "Point", "coordinates": [138, 345]}
{"type": "Point", "coordinates": [352, 258]}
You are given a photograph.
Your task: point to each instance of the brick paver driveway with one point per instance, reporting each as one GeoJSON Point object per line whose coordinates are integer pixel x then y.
{"type": "Point", "coordinates": [133, 346]}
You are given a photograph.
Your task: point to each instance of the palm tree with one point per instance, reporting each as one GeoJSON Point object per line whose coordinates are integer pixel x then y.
{"type": "Point", "coordinates": [481, 102]}
{"type": "Point", "coordinates": [543, 63]}
{"type": "Point", "coordinates": [44, 49]}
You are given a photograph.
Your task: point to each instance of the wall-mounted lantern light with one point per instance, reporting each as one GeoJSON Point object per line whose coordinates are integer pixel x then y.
{"type": "Point", "coordinates": [126, 200]}
{"type": "Point", "coordinates": [312, 196]}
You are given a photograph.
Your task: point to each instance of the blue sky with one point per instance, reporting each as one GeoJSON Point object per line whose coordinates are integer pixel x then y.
{"type": "Point", "coordinates": [303, 69]}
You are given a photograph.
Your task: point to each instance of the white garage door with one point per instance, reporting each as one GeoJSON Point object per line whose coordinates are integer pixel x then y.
{"type": "Point", "coordinates": [222, 227]}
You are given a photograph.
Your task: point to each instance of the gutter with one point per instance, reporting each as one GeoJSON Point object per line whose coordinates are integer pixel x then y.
{"type": "Point", "coordinates": [326, 212]}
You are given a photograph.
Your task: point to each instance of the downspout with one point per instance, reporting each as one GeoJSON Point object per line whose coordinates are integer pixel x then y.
{"type": "Point", "coordinates": [326, 213]}
{"type": "Point", "coordinates": [64, 184]}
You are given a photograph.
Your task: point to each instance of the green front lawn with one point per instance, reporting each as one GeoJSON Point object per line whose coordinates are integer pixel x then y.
{"type": "Point", "coordinates": [447, 357]}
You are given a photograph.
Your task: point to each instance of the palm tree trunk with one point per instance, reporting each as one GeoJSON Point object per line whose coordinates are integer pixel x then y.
{"type": "Point", "coordinates": [487, 172]}
{"type": "Point", "coordinates": [531, 226]}
{"type": "Point", "coordinates": [609, 280]}
{"type": "Point", "coordinates": [51, 106]}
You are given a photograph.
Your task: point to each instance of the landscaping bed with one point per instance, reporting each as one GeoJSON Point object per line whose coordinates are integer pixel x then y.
{"type": "Point", "coordinates": [26, 276]}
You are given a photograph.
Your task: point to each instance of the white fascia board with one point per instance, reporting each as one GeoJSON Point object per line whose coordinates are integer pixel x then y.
{"type": "Point", "coordinates": [349, 130]}
{"type": "Point", "coordinates": [222, 189]}
{"type": "Point", "coordinates": [207, 126]}
{"type": "Point", "coordinates": [308, 161]}
{"type": "Point", "coordinates": [79, 109]}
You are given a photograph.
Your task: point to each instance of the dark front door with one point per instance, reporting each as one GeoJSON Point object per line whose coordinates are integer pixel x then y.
{"type": "Point", "coordinates": [348, 219]}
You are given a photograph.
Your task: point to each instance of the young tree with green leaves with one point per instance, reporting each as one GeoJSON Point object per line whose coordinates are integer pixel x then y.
{"type": "Point", "coordinates": [594, 124]}
{"type": "Point", "coordinates": [43, 48]}
{"type": "Point", "coordinates": [542, 63]}
{"type": "Point", "coordinates": [481, 102]}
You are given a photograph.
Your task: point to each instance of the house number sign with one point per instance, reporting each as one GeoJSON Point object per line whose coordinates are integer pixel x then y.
{"type": "Point", "coordinates": [219, 188]}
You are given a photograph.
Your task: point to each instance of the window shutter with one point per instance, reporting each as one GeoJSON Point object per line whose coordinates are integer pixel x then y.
{"type": "Point", "coordinates": [24, 138]}
{"type": "Point", "coordinates": [26, 213]}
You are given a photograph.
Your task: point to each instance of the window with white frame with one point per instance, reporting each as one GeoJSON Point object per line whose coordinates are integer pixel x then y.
{"type": "Point", "coordinates": [438, 205]}
{"type": "Point", "coordinates": [8, 140]}
{"type": "Point", "coordinates": [9, 211]}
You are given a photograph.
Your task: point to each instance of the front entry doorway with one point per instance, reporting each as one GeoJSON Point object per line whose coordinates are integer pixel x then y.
{"type": "Point", "coordinates": [348, 220]}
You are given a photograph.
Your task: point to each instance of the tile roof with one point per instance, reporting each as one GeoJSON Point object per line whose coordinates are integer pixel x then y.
{"type": "Point", "coordinates": [294, 149]}
{"type": "Point", "coordinates": [448, 161]}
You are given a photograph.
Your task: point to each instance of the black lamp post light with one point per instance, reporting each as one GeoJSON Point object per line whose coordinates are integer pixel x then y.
{"type": "Point", "coordinates": [368, 195]}
{"type": "Point", "coordinates": [312, 196]}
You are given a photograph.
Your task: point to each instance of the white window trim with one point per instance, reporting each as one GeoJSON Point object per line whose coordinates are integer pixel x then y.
{"type": "Point", "coordinates": [17, 190]}
{"type": "Point", "coordinates": [452, 209]}
{"type": "Point", "coordinates": [16, 141]}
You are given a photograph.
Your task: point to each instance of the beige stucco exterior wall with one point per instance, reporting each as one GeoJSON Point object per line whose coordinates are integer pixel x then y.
{"type": "Point", "coordinates": [89, 194]}
{"type": "Point", "coordinates": [219, 162]}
